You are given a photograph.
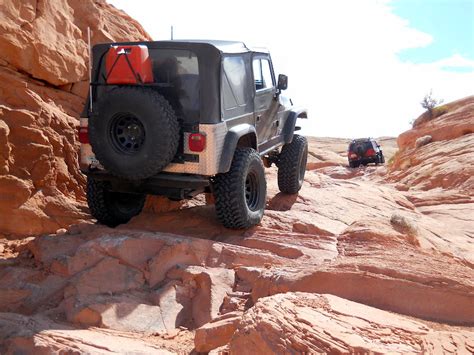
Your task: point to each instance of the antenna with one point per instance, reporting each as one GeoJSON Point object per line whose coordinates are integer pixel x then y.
{"type": "Point", "coordinates": [171, 32]}
{"type": "Point", "coordinates": [90, 67]}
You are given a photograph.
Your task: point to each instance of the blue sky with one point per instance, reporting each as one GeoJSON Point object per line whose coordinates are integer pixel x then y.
{"type": "Point", "coordinates": [449, 22]}
{"type": "Point", "coordinates": [360, 67]}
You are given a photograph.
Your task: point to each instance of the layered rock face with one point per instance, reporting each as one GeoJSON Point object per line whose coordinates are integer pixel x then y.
{"type": "Point", "coordinates": [443, 161]}
{"type": "Point", "coordinates": [43, 85]}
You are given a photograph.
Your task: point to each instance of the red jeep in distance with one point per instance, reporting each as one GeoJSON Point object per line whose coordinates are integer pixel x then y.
{"type": "Point", "coordinates": [364, 151]}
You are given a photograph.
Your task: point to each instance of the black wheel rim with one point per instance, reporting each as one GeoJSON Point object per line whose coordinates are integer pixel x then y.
{"type": "Point", "coordinates": [127, 133]}
{"type": "Point", "coordinates": [252, 194]}
{"type": "Point", "coordinates": [302, 168]}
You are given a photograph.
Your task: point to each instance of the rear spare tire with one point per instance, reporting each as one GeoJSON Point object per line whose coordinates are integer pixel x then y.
{"type": "Point", "coordinates": [134, 132]}
{"type": "Point", "coordinates": [109, 207]}
{"type": "Point", "coordinates": [241, 193]}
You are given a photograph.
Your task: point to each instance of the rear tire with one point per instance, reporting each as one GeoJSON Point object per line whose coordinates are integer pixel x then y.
{"type": "Point", "coordinates": [109, 207]}
{"type": "Point", "coordinates": [292, 165]}
{"type": "Point", "coordinates": [241, 193]}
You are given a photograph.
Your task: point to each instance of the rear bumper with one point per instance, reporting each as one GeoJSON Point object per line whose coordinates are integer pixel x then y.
{"type": "Point", "coordinates": [207, 163]}
{"type": "Point", "coordinates": [365, 160]}
{"type": "Point", "coordinates": [176, 186]}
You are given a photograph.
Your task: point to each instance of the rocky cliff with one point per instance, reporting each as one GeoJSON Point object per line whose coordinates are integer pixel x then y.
{"type": "Point", "coordinates": [43, 84]}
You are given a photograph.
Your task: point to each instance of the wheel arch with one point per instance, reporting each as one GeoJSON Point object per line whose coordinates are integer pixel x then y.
{"type": "Point", "coordinates": [289, 128]}
{"type": "Point", "coordinates": [242, 135]}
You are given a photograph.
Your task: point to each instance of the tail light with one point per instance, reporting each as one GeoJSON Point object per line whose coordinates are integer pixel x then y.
{"type": "Point", "coordinates": [84, 135]}
{"type": "Point", "coordinates": [197, 142]}
{"type": "Point", "coordinates": [370, 152]}
{"type": "Point", "coordinates": [352, 155]}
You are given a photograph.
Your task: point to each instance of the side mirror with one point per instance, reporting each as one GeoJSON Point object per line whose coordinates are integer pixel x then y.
{"type": "Point", "coordinates": [282, 82]}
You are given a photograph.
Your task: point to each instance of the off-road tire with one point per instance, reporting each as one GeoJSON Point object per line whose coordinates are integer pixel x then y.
{"type": "Point", "coordinates": [112, 208]}
{"type": "Point", "coordinates": [353, 164]}
{"type": "Point", "coordinates": [156, 142]}
{"type": "Point", "coordinates": [382, 159]}
{"type": "Point", "coordinates": [234, 208]}
{"type": "Point", "coordinates": [292, 165]}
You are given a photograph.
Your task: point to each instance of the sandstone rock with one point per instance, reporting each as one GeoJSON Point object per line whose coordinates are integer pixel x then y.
{"type": "Point", "coordinates": [441, 164]}
{"type": "Point", "coordinates": [175, 302]}
{"type": "Point", "coordinates": [446, 162]}
{"type": "Point", "coordinates": [404, 224]}
{"type": "Point", "coordinates": [48, 39]}
{"type": "Point", "coordinates": [40, 335]}
{"type": "Point", "coordinates": [38, 137]}
{"type": "Point", "coordinates": [108, 275]}
{"type": "Point", "coordinates": [13, 191]}
{"type": "Point", "coordinates": [423, 141]}
{"type": "Point", "coordinates": [410, 285]}
{"type": "Point", "coordinates": [25, 290]}
{"type": "Point", "coordinates": [458, 121]}
{"type": "Point", "coordinates": [126, 313]}
{"type": "Point", "coordinates": [38, 118]}
{"type": "Point", "coordinates": [309, 323]}
{"type": "Point", "coordinates": [216, 333]}
{"type": "Point", "coordinates": [5, 148]}
{"type": "Point", "coordinates": [211, 284]}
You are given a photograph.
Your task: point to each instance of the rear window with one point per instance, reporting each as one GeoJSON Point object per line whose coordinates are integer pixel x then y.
{"type": "Point", "coordinates": [360, 146]}
{"type": "Point", "coordinates": [178, 69]}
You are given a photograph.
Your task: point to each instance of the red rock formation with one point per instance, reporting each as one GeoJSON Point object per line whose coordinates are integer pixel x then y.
{"type": "Point", "coordinates": [303, 323]}
{"type": "Point", "coordinates": [43, 73]}
{"type": "Point", "coordinates": [446, 161]}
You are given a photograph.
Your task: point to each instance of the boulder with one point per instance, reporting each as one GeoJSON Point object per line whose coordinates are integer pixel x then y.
{"type": "Point", "coordinates": [216, 333]}
{"type": "Point", "coordinates": [296, 323]}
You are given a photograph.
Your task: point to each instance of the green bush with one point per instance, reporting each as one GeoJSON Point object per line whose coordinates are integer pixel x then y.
{"type": "Point", "coordinates": [439, 111]}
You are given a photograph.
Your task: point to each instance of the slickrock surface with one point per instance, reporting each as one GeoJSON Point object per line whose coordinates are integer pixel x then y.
{"type": "Point", "coordinates": [296, 323]}
{"type": "Point", "coordinates": [352, 263]}
{"type": "Point", "coordinates": [375, 259]}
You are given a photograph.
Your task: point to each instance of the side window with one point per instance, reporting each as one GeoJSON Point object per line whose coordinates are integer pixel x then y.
{"type": "Point", "coordinates": [257, 74]}
{"type": "Point", "coordinates": [262, 74]}
{"type": "Point", "coordinates": [234, 77]}
{"type": "Point", "coordinates": [267, 74]}
{"type": "Point", "coordinates": [236, 86]}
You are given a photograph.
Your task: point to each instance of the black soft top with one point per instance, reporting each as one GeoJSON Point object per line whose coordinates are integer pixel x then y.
{"type": "Point", "coordinates": [209, 53]}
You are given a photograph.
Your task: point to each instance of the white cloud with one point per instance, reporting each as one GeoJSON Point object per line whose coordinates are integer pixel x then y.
{"type": "Point", "coordinates": [340, 56]}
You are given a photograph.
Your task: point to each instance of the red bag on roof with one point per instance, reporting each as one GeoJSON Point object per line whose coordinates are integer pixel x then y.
{"type": "Point", "coordinates": [128, 65]}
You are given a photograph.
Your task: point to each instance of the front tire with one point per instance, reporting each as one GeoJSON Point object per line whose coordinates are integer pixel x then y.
{"type": "Point", "coordinates": [109, 207]}
{"type": "Point", "coordinates": [240, 194]}
{"type": "Point", "coordinates": [292, 165]}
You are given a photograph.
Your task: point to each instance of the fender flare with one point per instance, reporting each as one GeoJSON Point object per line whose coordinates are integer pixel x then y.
{"type": "Point", "coordinates": [230, 144]}
{"type": "Point", "coordinates": [289, 128]}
